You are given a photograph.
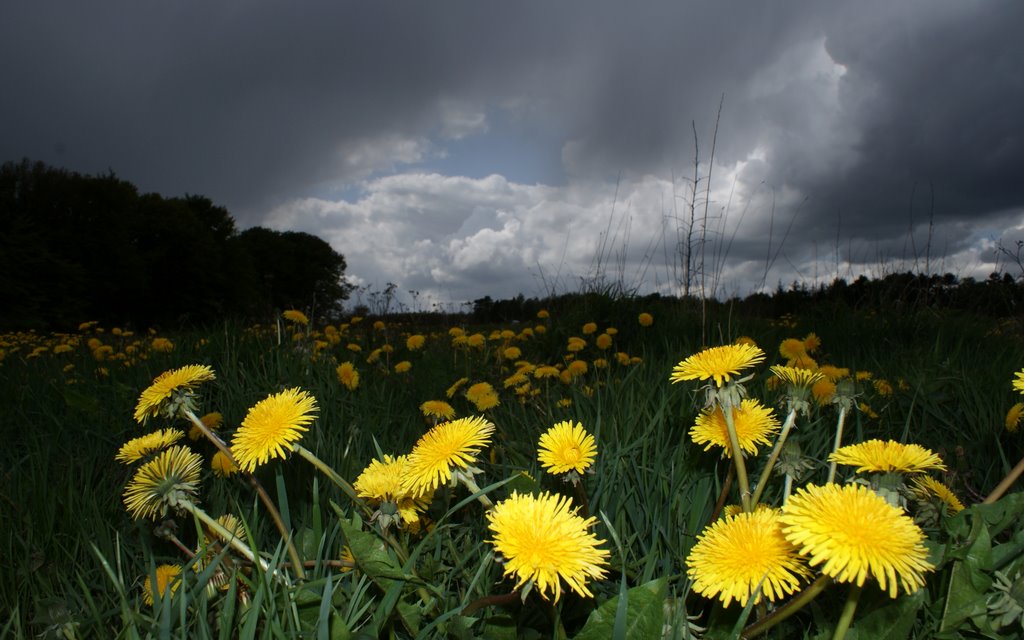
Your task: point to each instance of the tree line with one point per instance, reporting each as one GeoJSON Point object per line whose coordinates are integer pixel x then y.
{"type": "Point", "coordinates": [78, 247]}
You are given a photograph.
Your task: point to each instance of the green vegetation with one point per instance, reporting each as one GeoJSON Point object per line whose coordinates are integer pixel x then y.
{"type": "Point", "coordinates": [74, 561]}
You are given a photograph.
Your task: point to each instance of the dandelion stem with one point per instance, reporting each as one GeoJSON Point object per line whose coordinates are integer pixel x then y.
{"type": "Point", "coordinates": [228, 536]}
{"type": "Point", "coordinates": [1005, 483]}
{"type": "Point", "coordinates": [467, 480]}
{"type": "Point", "coordinates": [723, 494]}
{"type": "Point", "coordinates": [839, 440]}
{"type": "Point", "coordinates": [275, 515]}
{"type": "Point", "coordinates": [340, 482]}
{"type": "Point", "coordinates": [785, 611]}
{"type": "Point", "coordinates": [763, 480]}
{"type": "Point", "coordinates": [846, 617]}
{"type": "Point", "coordinates": [737, 456]}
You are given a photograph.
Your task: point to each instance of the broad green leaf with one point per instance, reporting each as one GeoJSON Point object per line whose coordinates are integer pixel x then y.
{"type": "Point", "coordinates": [645, 614]}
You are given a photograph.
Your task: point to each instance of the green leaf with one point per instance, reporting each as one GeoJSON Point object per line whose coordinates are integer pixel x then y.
{"type": "Point", "coordinates": [968, 580]}
{"type": "Point", "coordinates": [371, 555]}
{"type": "Point", "coordinates": [891, 622]}
{"type": "Point", "coordinates": [645, 614]}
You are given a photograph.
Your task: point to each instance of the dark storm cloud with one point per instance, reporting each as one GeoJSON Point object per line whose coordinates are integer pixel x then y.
{"type": "Point", "coordinates": [842, 125]}
{"type": "Point", "coordinates": [248, 102]}
{"type": "Point", "coordinates": [935, 94]}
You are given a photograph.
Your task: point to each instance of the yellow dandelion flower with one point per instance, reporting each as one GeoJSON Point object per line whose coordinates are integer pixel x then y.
{"type": "Point", "coordinates": [834, 373]}
{"type": "Point", "coordinates": [511, 353]}
{"type": "Point", "coordinates": [476, 341]}
{"type": "Point", "coordinates": [138, 448]}
{"type": "Point", "coordinates": [645, 319]}
{"type": "Point", "coordinates": [792, 349]}
{"type": "Point", "coordinates": [575, 344]}
{"type": "Point", "coordinates": [866, 409]}
{"type": "Point", "coordinates": [717, 363]}
{"type": "Point", "coordinates": [167, 577]}
{"type": "Point", "coordinates": [863, 376]}
{"type": "Point", "coordinates": [1018, 381]}
{"type": "Point", "coordinates": [811, 342]}
{"type": "Point", "coordinates": [754, 423]}
{"type": "Point", "coordinates": [543, 313]}
{"type": "Point", "coordinates": [437, 409]}
{"type": "Point", "coordinates": [447, 446]}
{"type": "Point", "coordinates": [566, 447]}
{"type": "Point", "coordinates": [270, 426]}
{"type": "Point", "coordinates": [577, 368]}
{"type": "Point", "coordinates": [734, 554]}
{"type": "Point", "coordinates": [486, 401]}
{"type": "Point", "coordinates": [295, 316]}
{"type": "Point", "coordinates": [403, 367]}
{"type": "Point", "coordinates": [546, 371]}
{"type": "Point", "coordinates": [458, 384]}
{"type": "Point", "coordinates": [823, 391]}
{"type": "Point", "coordinates": [222, 465]}
{"type": "Point", "coordinates": [212, 421]}
{"type": "Point", "coordinates": [926, 486]}
{"type": "Point", "coordinates": [161, 345]}
{"type": "Point", "coordinates": [543, 540]}
{"type": "Point", "coordinates": [1013, 417]}
{"type": "Point", "coordinates": [170, 388]}
{"type": "Point", "coordinates": [477, 390]}
{"type": "Point", "coordinates": [801, 378]}
{"type": "Point", "coordinates": [603, 342]}
{"type": "Point", "coordinates": [163, 483]}
{"type": "Point", "coordinates": [883, 387]}
{"type": "Point", "coordinates": [415, 342]}
{"type": "Point", "coordinates": [347, 375]}
{"type": "Point", "coordinates": [381, 481]}
{"type": "Point", "coordinates": [853, 533]}
{"type": "Point", "coordinates": [878, 456]}
{"type": "Point", "coordinates": [589, 328]}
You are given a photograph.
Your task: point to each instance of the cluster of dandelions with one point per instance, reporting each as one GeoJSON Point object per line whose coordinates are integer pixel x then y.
{"type": "Point", "coordinates": [854, 532]}
{"type": "Point", "coordinates": [543, 539]}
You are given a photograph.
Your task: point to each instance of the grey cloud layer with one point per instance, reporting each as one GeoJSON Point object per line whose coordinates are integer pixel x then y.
{"type": "Point", "coordinates": [864, 120]}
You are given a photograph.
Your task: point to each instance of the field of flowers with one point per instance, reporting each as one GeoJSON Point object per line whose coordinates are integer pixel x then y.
{"type": "Point", "coordinates": [572, 475]}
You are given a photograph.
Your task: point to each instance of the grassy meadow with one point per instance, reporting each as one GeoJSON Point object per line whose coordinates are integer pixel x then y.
{"type": "Point", "coordinates": [75, 564]}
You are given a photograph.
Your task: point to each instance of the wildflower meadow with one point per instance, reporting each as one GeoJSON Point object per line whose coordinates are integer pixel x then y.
{"type": "Point", "coordinates": [610, 468]}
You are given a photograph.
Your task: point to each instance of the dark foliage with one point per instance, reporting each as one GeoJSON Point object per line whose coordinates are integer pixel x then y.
{"type": "Point", "coordinates": [75, 247]}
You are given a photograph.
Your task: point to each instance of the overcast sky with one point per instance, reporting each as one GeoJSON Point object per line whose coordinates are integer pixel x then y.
{"type": "Point", "coordinates": [471, 148]}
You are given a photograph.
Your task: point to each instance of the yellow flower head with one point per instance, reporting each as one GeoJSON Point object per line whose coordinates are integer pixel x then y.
{"type": "Point", "coordinates": [347, 375]}
{"type": "Point", "coordinates": [437, 409]}
{"type": "Point", "coordinates": [566, 447]}
{"type": "Point", "coordinates": [853, 533]}
{"type": "Point", "coordinates": [270, 427]}
{"type": "Point", "coordinates": [811, 342]}
{"type": "Point", "coordinates": [645, 319]}
{"type": "Point", "coordinates": [452, 390]}
{"type": "Point", "coordinates": [483, 395]}
{"type": "Point", "coordinates": [167, 576]}
{"type": "Point", "coordinates": [511, 353]}
{"type": "Point", "coordinates": [403, 367]}
{"type": "Point", "coordinates": [800, 378]}
{"type": "Point", "coordinates": [169, 389]}
{"type": "Point", "coordinates": [295, 316]}
{"type": "Point", "coordinates": [442, 449]}
{"type": "Point", "coordinates": [792, 349]}
{"type": "Point", "coordinates": [169, 479]}
{"type": "Point", "coordinates": [543, 540]}
{"type": "Point", "coordinates": [211, 421]}
{"type": "Point", "coordinates": [381, 481]}
{"type": "Point", "coordinates": [138, 448]}
{"type": "Point", "coordinates": [926, 487]}
{"type": "Point", "coordinates": [414, 342]}
{"type": "Point", "coordinates": [754, 423]}
{"type": "Point", "coordinates": [161, 345]}
{"type": "Point", "coordinates": [717, 363]}
{"type": "Point", "coordinates": [1013, 417]}
{"type": "Point", "coordinates": [877, 456]}
{"type": "Point", "coordinates": [1018, 381]}
{"type": "Point", "coordinates": [222, 465]}
{"type": "Point", "coordinates": [735, 553]}
{"type": "Point", "coordinates": [589, 328]}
